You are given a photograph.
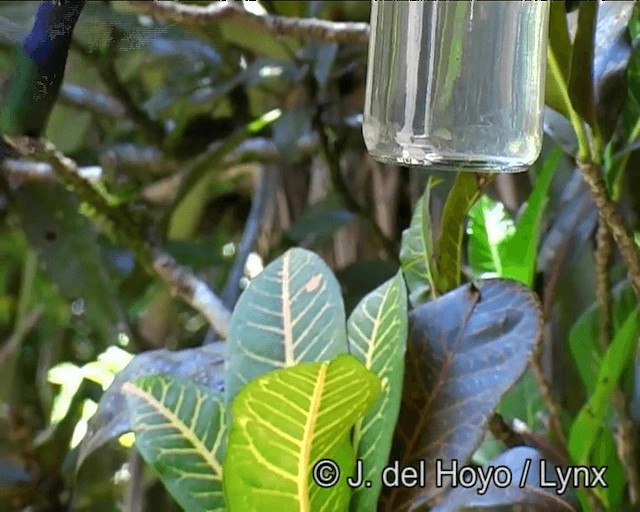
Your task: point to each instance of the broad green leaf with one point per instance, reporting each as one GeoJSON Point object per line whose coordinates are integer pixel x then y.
{"type": "Point", "coordinates": [377, 334]}
{"type": "Point", "coordinates": [462, 196]}
{"type": "Point", "coordinates": [286, 421]}
{"type": "Point", "coordinates": [581, 79]}
{"type": "Point", "coordinates": [593, 415]}
{"type": "Point", "coordinates": [417, 255]}
{"type": "Point", "coordinates": [292, 312]}
{"type": "Point", "coordinates": [518, 252]}
{"type": "Point", "coordinates": [489, 224]}
{"type": "Point", "coordinates": [66, 244]}
{"type": "Point", "coordinates": [180, 430]}
{"type": "Point", "coordinates": [559, 52]}
{"type": "Point", "coordinates": [466, 349]}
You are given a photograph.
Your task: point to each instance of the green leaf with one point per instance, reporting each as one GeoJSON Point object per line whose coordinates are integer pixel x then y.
{"type": "Point", "coordinates": [583, 337]}
{"type": "Point", "coordinates": [489, 224]}
{"type": "Point", "coordinates": [559, 52]}
{"type": "Point", "coordinates": [581, 80]}
{"type": "Point", "coordinates": [417, 251]}
{"type": "Point", "coordinates": [201, 365]}
{"type": "Point", "coordinates": [518, 252]}
{"type": "Point", "coordinates": [292, 312]}
{"type": "Point", "coordinates": [593, 415]}
{"type": "Point", "coordinates": [466, 349]}
{"type": "Point", "coordinates": [283, 423]}
{"type": "Point", "coordinates": [180, 430]}
{"type": "Point", "coordinates": [463, 194]}
{"type": "Point", "coordinates": [377, 334]}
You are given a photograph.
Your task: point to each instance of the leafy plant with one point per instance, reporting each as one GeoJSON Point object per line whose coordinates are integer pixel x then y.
{"type": "Point", "coordinates": [293, 314]}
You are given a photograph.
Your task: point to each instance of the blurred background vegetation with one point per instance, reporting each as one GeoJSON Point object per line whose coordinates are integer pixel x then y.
{"type": "Point", "coordinates": [162, 110]}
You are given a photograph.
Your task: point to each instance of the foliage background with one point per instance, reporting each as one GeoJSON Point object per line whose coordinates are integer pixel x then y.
{"type": "Point", "coordinates": [144, 100]}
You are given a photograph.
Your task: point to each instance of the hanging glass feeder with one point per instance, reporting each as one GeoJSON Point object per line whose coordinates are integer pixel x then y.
{"type": "Point", "coordinates": [456, 85]}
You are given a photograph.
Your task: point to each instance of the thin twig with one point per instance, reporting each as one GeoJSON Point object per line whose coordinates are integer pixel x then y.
{"type": "Point", "coordinates": [342, 189]}
{"type": "Point", "coordinates": [263, 199]}
{"type": "Point", "coordinates": [153, 259]}
{"type": "Point", "coordinates": [608, 212]}
{"type": "Point", "coordinates": [303, 28]}
{"type": "Point", "coordinates": [553, 406]}
{"type": "Point", "coordinates": [93, 101]}
{"type": "Point", "coordinates": [107, 71]}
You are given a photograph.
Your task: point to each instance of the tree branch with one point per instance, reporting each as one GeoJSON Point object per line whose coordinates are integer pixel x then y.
{"type": "Point", "coordinates": [155, 260]}
{"type": "Point", "coordinates": [303, 28]}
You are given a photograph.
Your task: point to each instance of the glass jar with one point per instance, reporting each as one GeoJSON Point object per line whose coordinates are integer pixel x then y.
{"type": "Point", "coordinates": [456, 85]}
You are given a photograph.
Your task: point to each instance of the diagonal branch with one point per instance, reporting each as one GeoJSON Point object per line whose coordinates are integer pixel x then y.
{"type": "Point", "coordinates": [153, 259]}
{"type": "Point", "coordinates": [608, 212]}
{"type": "Point", "coordinates": [304, 28]}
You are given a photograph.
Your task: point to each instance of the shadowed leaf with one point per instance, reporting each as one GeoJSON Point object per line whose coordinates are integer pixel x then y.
{"type": "Point", "coordinates": [283, 423]}
{"type": "Point", "coordinates": [377, 334]}
{"type": "Point", "coordinates": [417, 251]}
{"type": "Point", "coordinates": [465, 351]}
{"type": "Point", "coordinates": [180, 431]}
{"type": "Point", "coordinates": [67, 246]}
{"type": "Point", "coordinates": [581, 85]}
{"type": "Point", "coordinates": [464, 193]}
{"type": "Point", "coordinates": [292, 312]}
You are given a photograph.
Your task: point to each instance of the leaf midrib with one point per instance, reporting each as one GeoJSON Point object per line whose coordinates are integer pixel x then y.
{"type": "Point", "coordinates": [307, 440]}
{"type": "Point", "coordinates": [188, 434]}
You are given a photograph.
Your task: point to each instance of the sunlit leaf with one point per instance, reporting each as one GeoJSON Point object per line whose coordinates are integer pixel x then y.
{"type": "Point", "coordinates": [466, 349]}
{"type": "Point", "coordinates": [417, 255]}
{"type": "Point", "coordinates": [377, 334]}
{"type": "Point", "coordinates": [489, 225]}
{"type": "Point", "coordinates": [290, 313]}
{"type": "Point", "coordinates": [180, 430]}
{"type": "Point", "coordinates": [283, 423]}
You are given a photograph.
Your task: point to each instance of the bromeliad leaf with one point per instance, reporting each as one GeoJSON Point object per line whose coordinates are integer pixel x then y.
{"type": "Point", "coordinates": [519, 252]}
{"type": "Point", "coordinates": [180, 430]}
{"type": "Point", "coordinates": [283, 423]}
{"type": "Point", "coordinates": [292, 312]}
{"type": "Point", "coordinates": [465, 351]}
{"type": "Point", "coordinates": [417, 251]}
{"type": "Point", "coordinates": [377, 334]}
